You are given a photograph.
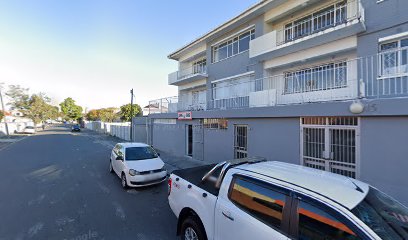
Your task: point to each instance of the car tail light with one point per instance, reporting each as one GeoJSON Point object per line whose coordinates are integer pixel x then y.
{"type": "Point", "coordinates": [169, 182]}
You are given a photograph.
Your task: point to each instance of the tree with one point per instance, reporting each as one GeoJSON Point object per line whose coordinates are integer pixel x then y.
{"type": "Point", "coordinates": [108, 114]}
{"type": "Point", "coordinates": [40, 109]}
{"type": "Point", "coordinates": [70, 109]}
{"type": "Point", "coordinates": [19, 98]}
{"type": "Point", "coordinates": [1, 115]}
{"type": "Point", "coordinates": [126, 112]}
{"type": "Point", "coordinates": [93, 115]}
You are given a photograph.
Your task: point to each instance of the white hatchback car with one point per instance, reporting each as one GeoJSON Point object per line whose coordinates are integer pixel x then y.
{"type": "Point", "coordinates": [29, 130]}
{"type": "Point", "coordinates": [137, 164]}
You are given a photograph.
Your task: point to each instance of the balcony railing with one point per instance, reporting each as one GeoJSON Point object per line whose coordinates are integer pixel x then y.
{"type": "Point", "coordinates": [163, 105]}
{"type": "Point", "coordinates": [381, 76]}
{"type": "Point", "coordinates": [328, 17]}
{"type": "Point", "coordinates": [195, 71]}
{"type": "Point", "coordinates": [331, 17]}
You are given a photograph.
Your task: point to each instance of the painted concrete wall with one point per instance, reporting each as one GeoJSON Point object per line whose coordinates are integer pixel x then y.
{"type": "Point", "coordinates": [277, 139]}
{"type": "Point", "coordinates": [169, 138]}
{"type": "Point", "coordinates": [384, 154]}
{"type": "Point", "coordinates": [393, 20]}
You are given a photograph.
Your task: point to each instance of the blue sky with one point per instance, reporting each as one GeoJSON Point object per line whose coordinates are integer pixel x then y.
{"type": "Point", "coordinates": [96, 50]}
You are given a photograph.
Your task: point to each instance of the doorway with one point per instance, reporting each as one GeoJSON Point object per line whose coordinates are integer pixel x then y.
{"type": "Point", "coordinates": [189, 140]}
{"type": "Point", "coordinates": [241, 141]}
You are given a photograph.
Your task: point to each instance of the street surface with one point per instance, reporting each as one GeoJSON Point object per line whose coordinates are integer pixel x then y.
{"type": "Point", "coordinates": [56, 185]}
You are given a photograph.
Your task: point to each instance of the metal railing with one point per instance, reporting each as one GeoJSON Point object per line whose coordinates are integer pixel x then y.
{"type": "Point", "coordinates": [187, 72]}
{"type": "Point", "coordinates": [163, 105]}
{"type": "Point", "coordinates": [328, 17]}
{"type": "Point", "coordinates": [384, 75]}
{"type": "Point", "coordinates": [193, 101]}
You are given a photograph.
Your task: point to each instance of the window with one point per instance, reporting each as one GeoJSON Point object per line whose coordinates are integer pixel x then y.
{"type": "Point", "coordinates": [140, 153]}
{"type": "Point", "coordinates": [215, 123]}
{"type": "Point", "coordinates": [200, 66]}
{"type": "Point", "coordinates": [394, 58]}
{"type": "Point", "coordinates": [385, 216]}
{"type": "Point", "coordinates": [118, 150]}
{"type": "Point", "coordinates": [315, 223]}
{"type": "Point", "coordinates": [232, 46]}
{"type": "Point", "coordinates": [259, 200]}
{"type": "Point", "coordinates": [318, 21]}
{"type": "Point", "coordinates": [164, 121]}
{"type": "Point", "coordinates": [235, 87]}
{"type": "Point", "coordinates": [324, 77]}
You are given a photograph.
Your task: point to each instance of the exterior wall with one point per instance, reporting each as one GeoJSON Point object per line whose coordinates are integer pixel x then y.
{"type": "Point", "coordinates": [384, 161]}
{"type": "Point", "coordinates": [277, 139]}
{"type": "Point", "coordinates": [393, 20]}
{"type": "Point", "coordinates": [169, 138]}
{"type": "Point", "coordinates": [237, 64]}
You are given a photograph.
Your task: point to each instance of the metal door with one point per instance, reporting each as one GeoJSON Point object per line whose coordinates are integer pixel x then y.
{"type": "Point", "coordinates": [331, 144]}
{"type": "Point", "coordinates": [198, 141]}
{"type": "Point", "coordinates": [240, 141]}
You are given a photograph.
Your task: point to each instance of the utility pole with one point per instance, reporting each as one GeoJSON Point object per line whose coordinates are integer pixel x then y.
{"type": "Point", "coordinates": [4, 111]}
{"type": "Point", "coordinates": [131, 115]}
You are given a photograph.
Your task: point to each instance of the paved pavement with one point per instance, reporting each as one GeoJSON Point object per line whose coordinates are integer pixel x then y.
{"type": "Point", "coordinates": [56, 185]}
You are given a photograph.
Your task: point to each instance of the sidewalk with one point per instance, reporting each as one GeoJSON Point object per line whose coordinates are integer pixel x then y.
{"type": "Point", "coordinates": [172, 162]}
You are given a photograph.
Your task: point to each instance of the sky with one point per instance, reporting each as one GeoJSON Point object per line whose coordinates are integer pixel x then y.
{"type": "Point", "coordinates": [95, 51]}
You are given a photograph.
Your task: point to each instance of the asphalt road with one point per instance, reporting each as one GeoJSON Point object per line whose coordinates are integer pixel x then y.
{"type": "Point", "coordinates": [56, 185]}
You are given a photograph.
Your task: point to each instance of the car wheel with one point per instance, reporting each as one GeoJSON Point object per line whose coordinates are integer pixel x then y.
{"type": "Point", "coordinates": [110, 167]}
{"type": "Point", "coordinates": [124, 182]}
{"type": "Point", "coordinates": [192, 229]}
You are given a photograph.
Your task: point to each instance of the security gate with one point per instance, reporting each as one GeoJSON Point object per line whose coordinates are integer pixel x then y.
{"type": "Point", "coordinates": [198, 141]}
{"type": "Point", "coordinates": [241, 141]}
{"type": "Point", "coordinates": [331, 144]}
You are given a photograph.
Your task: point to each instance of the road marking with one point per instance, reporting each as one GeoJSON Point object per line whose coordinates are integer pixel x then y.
{"type": "Point", "coordinates": [35, 229]}
{"type": "Point", "coordinates": [119, 210]}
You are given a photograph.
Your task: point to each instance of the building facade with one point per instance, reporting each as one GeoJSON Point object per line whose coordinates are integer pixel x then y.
{"type": "Point", "coordinates": [317, 83]}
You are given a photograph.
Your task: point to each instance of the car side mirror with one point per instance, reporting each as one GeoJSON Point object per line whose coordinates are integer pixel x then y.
{"type": "Point", "coordinates": [119, 158]}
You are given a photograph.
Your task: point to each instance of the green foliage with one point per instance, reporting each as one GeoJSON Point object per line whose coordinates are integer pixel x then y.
{"type": "Point", "coordinates": [40, 109]}
{"type": "Point", "coordinates": [36, 107]}
{"type": "Point", "coordinates": [70, 110]}
{"type": "Point", "coordinates": [103, 114]}
{"type": "Point", "coordinates": [126, 112]}
{"type": "Point", "coordinates": [1, 115]}
{"type": "Point", "coordinates": [108, 114]}
{"type": "Point", "coordinates": [19, 98]}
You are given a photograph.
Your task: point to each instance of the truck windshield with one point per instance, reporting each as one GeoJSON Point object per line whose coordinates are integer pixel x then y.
{"type": "Point", "coordinates": [385, 216]}
{"type": "Point", "coordinates": [140, 153]}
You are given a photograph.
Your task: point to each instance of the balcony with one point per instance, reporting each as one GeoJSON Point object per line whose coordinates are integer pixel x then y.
{"type": "Point", "coordinates": [334, 22]}
{"type": "Point", "coordinates": [381, 76]}
{"type": "Point", "coordinates": [188, 75]}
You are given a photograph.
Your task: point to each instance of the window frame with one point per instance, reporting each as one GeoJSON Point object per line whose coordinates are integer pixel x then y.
{"type": "Point", "coordinates": [306, 86]}
{"type": "Point", "coordinates": [294, 220]}
{"type": "Point", "coordinates": [398, 51]}
{"type": "Point", "coordinates": [228, 44]}
{"type": "Point", "coordinates": [286, 213]}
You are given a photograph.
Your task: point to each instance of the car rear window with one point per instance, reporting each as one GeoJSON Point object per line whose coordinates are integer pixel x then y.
{"type": "Point", "coordinates": [139, 153]}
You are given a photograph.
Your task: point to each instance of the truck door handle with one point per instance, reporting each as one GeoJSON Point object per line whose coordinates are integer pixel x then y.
{"type": "Point", "coordinates": [227, 215]}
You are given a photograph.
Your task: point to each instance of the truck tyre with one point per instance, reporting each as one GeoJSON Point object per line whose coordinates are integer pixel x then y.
{"type": "Point", "coordinates": [192, 229]}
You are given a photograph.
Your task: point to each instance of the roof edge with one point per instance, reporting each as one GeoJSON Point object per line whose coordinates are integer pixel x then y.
{"type": "Point", "coordinates": [217, 29]}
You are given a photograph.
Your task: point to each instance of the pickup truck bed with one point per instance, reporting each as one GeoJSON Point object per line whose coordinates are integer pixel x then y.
{"type": "Point", "coordinates": [195, 174]}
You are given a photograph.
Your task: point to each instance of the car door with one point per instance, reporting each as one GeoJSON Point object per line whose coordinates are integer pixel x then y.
{"type": "Point", "coordinates": [252, 209]}
{"type": "Point", "coordinates": [314, 220]}
{"type": "Point", "coordinates": [116, 163]}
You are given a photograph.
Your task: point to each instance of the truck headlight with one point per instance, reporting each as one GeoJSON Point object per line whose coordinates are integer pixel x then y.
{"type": "Point", "coordinates": [133, 172]}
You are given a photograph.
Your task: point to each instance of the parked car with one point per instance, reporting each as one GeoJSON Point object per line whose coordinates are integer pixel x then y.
{"type": "Point", "coordinates": [256, 199]}
{"type": "Point", "coordinates": [137, 164]}
{"type": "Point", "coordinates": [29, 129]}
{"type": "Point", "coordinates": [75, 128]}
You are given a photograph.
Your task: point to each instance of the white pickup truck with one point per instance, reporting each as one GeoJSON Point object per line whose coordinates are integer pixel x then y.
{"type": "Point", "coordinates": [254, 199]}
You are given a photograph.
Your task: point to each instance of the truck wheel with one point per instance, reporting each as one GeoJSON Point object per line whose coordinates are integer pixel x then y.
{"type": "Point", "coordinates": [191, 229]}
